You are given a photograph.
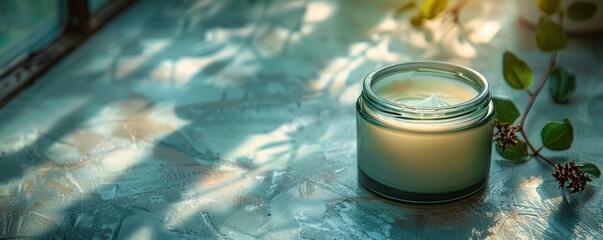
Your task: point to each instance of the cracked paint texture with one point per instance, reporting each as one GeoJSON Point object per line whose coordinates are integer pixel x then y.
{"type": "Point", "coordinates": [235, 119]}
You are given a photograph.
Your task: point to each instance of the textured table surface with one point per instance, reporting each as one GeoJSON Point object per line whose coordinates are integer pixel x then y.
{"type": "Point", "coordinates": [235, 119]}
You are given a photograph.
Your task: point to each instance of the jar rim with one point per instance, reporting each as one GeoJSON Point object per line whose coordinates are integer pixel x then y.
{"type": "Point", "coordinates": [399, 110]}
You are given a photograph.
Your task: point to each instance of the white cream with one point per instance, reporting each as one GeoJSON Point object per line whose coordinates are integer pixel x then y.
{"type": "Point", "coordinates": [432, 91]}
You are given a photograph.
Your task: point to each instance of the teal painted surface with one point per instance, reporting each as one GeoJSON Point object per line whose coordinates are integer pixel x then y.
{"type": "Point", "coordinates": [236, 119]}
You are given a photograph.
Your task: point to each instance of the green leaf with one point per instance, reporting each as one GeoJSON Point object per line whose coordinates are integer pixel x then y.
{"type": "Point", "coordinates": [517, 73]}
{"type": "Point", "coordinates": [516, 153]}
{"type": "Point", "coordinates": [562, 83]}
{"type": "Point", "coordinates": [549, 6]}
{"type": "Point", "coordinates": [431, 8]}
{"type": "Point", "coordinates": [416, 21]}
{"type": "Point", "coordinates": [404, 8]}
{"type": "Point", "coordinates": [580, 11]}
{"type": "Point", "coordinates": [550, 35]}
{"type": "Point", "coordinates": [505, 110]}
{"type": "Point", "coordinates": [558, 135]}
{"type": "Point", "coordinates": [590, 168]}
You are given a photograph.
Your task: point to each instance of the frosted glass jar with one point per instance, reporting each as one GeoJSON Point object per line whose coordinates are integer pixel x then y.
{"type": "Point", "coordinates": [424, 132]}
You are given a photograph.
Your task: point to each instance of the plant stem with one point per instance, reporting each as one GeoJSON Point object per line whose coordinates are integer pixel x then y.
{"type": "Point", "coordinates": [541, 83]}
{"type": "Point", "coordinates": [533, 95]}
{"type": "Point", "coordinates": [454, 11]}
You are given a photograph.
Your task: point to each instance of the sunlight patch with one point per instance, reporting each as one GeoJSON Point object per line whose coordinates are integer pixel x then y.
{"type": "Point", "coordinates": [482, 31]}
{"type": "Point", "coordinates": [121, 159]}
{"type": "Point", "coordinates": [318, 11]}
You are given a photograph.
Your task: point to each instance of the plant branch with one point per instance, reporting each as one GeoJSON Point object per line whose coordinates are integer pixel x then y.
{"type": "Point", "coordinates": [536, 152]}
{"type": "Point", "coordinates": [545, 159]}
{"type": "Point", "coordinates": [533, 95]}
{"type": "Point", "coordinates": [570, 175]}
{"type": "Point", "coordinates": [541, 83]}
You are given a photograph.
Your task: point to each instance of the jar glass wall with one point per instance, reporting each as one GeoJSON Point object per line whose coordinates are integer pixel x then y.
{"type": "Point", "coordinates": [424, 132]}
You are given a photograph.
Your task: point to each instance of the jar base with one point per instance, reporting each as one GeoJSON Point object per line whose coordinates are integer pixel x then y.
{"type": "Point", "coordinates": [420, 198]}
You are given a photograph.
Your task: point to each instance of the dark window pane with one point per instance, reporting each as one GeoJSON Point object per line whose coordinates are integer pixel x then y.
{"type": "Point", "coordinates": [26, 25]}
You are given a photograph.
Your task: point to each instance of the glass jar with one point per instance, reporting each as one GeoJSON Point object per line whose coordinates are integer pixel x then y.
{"type": "Point", "coordinates": [424, 132]}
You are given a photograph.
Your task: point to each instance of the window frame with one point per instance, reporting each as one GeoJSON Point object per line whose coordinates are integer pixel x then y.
{"type": "Point", "coordinates": [77, 22]}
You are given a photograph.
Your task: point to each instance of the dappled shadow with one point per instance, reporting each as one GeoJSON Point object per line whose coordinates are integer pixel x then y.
{"type": "Point", "coordinates": [562, 222]}
{"type": "Point", "coordinates": [231, 123]}
{"type": "Point", "coordinates": [371, 217]}
{"type": "Point", "coordinates": [228, 119]}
